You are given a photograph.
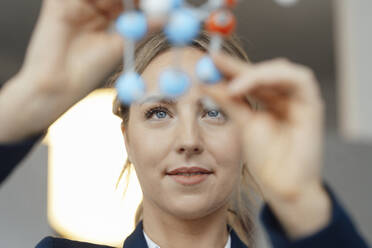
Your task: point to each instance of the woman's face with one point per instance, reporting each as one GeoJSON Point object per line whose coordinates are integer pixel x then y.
{"type": "Point", "coordinates": [162, 136]}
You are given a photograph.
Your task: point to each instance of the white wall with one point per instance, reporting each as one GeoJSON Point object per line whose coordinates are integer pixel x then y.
{"type": "Point", "coordinates": [353, 39]}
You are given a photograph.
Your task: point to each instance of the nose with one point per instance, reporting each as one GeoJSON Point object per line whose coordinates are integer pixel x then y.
{"type": "Point", "coordinates": [188, 139]}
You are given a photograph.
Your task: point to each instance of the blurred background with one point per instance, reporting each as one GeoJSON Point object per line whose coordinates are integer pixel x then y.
{"type": "Point", "coordinates": [331, 37]}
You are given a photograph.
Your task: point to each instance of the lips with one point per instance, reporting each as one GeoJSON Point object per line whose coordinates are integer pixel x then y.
{"type": "Point", "coordinates": [189, 171]}
{"type": "Point", "coordinates": [188, 176]}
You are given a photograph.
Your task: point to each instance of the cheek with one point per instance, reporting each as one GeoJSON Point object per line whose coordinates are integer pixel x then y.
{"type": "Point", "coordinates": [148, 144]}
{"type": "Point", "coordinates": [225, 147]}
{"type": "Point", "coordinates": [148, 149]}
{"type": "Point", "coordinates": [226, 150]}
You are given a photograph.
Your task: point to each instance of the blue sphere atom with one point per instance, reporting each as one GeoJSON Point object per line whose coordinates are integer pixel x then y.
{"type": "Point", "coordinates": [132, 25]}
{"type": "Point", "coordinates": [207, 71]}
{"type": "Point", "coordinates": [177, 3]}
{"type": "Point", "coordinates": [174, 83]}
{"type": "Point", "coordinates": [130, 87]}
{"type": "Point", "coordinates": [182, 27]}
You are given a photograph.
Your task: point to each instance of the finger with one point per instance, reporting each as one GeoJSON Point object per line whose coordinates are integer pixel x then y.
{"type": "Point", "coordinates": [298, 80]}
{"type": "Point", "coordinates": [229, 66]}
{"type": "Point", "coordinates": [274, 99]}
{"type": "Point", "coordinates": [105, 55]}
{"type": "Point", "coordinates": [108, 8]}
{"type": "Point", "coordinates": [156, 24]}
{"type": "Point", "coordinates": [116, 10]}
{"type": "Point", "coordinates": [100, 22]}
{"type": "Point", "coordinates": [104, 4]}
{"type": "Point", "coordinates": [259, 135]}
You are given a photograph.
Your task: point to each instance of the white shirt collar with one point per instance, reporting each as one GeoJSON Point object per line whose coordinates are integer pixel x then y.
{"type": "Point", "coordinates": [152, 244]}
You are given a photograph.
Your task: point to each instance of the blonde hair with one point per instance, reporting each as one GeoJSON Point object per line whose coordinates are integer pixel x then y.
{"type": "Point", "coordinates": [239, 212]}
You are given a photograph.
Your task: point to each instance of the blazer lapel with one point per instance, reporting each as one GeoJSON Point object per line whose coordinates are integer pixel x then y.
{"type": "Point", "coordinates": [235, 241]}
{"type": "Point", "coordinates": [136, 239]}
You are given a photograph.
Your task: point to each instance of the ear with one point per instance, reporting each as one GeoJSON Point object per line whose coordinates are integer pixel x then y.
{"type": "Point", "coordinates": [126, 141]}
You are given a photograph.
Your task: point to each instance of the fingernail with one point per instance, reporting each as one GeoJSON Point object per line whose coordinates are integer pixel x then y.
{"type": "Point", "coordinates": [215, 54]}
{"type": "Point", "coordinates": [232, 89]}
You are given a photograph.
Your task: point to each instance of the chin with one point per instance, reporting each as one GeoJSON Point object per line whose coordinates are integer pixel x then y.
{"type": "Point", "coordinates": [190, 210]}
{"type": "Point", "coordinates": [188, 214]}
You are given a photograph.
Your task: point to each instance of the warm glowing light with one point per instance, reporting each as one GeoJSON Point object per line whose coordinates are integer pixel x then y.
{"type": "Point", "coordinates": [86, 155]}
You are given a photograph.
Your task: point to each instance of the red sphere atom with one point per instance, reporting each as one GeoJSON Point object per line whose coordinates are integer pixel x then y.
{"type": "Point", "coordinates": [230, 3]}
{"type": "Point", "coordinates": [222, 22]}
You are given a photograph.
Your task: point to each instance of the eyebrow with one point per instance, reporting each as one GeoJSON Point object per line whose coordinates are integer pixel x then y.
{"type": "Point", "coordinates": [157, 98]}
{"type": "Point", "coordinates": [204, 102]}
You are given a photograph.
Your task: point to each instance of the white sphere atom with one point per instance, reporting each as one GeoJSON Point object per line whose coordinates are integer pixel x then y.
{"type": "Point", "coordinates": [158, 8]}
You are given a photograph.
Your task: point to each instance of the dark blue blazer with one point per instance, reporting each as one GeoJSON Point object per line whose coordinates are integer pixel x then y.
{"type": "Point", "coordinates": [136, 239]}
{"type": "Point", "coordinates": [340, 231]}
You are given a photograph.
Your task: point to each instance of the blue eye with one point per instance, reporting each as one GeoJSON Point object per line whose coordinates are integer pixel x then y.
{"type": "Point", "coordinates": [213, 113]}
{"type": "Point", "coordinates": [159, 112]}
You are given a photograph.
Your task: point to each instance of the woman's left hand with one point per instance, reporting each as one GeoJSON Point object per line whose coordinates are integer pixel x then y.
{"type": "Point", "coordinates": [283, 140]}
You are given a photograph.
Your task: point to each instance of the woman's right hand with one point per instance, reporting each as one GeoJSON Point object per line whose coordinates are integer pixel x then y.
{"type": "Point", "coordinates": [71, 52]}
{"type": "Point", "coordinates": [69, 55]}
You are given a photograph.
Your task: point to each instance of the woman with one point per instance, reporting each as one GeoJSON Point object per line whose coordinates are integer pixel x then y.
{"type": "Point", "coordinates": [277, 147]}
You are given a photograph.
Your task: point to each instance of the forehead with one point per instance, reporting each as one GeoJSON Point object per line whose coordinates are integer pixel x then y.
{"type": "Point", "coordinates": [184, 58]}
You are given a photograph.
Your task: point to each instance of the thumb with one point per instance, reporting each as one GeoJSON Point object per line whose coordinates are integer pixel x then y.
{"type": "Point", "coordinates": [229, 66]}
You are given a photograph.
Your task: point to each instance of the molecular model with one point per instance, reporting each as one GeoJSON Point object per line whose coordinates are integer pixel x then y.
{"type": "Point", "coordinates": [183, 24]}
